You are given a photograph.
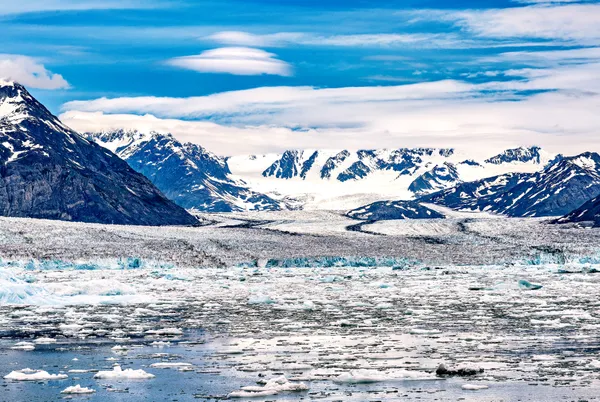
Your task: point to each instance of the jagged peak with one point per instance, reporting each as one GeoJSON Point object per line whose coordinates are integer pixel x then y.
{"type": "Point", "coordinates": [585, 160]}
{"type": "Point", "coordinates": [520, 154]}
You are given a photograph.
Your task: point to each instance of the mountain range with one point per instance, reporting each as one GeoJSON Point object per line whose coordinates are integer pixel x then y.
{"type": "Point", "coordinates": [564, 185]}
{"type": "Point", "coordinates": [345, 179]}
{"type": "Point", "coordinates": [130, 177]}
{"type": "Point", "coordinates": [49, 171]}
{"type": "Point", "coordinates": [519, 182]}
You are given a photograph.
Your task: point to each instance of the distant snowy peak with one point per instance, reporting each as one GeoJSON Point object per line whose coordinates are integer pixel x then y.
{"type": "Point", "coordinates": [336, 179]}
{"type": "Point", "coordinates": [344, 165]}
{"type": "Point", "coordinates": [522, 154]}
{"type": "Point", "coordinates": [187, 173]}
{"type": "Point", "coordinates": [438, 178]}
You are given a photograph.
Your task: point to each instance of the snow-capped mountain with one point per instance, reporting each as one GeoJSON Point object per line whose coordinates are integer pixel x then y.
{"type": "Point", "coordinates": [564, 185]}
{"type": "Point", "coordinates": [522, 154]}
{"type": "Point", "coordinates": [188, 174]}
{"type": "Point", "coordinates": [344, 179]}
{"type": "Point", "coordinates": [49, 171]}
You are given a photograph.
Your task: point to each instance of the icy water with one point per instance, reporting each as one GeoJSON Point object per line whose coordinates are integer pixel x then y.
{"type": "Point", "coordinates": [212, 378]}
{"type": "Point", "coordinates": [335, 333]}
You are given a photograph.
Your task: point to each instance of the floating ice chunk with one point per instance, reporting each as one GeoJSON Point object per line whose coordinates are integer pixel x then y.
{"type": "Point", "coordinates": [170, 365]}
{"type": "Point", "coordinates": [70, 329]}
{"type": "Point", "coordinates": [33, 375]}
{"type": "Point", "coordinates": [272, 387]}
{"type": "Point", "coordinates": [330, 279]}
{"type": "Point", "coordinates": [44, 341]}
{"type": "Point", "coordinates": [248, 394]}
{"type": "Point", "coordinates": [526, 285]}
{"type": "Point", "coordinates": [371, 376]}
{"type": "Point", "coordinates": [308, 305]}
{"type": "Point", "coordinates": [119, 374]}
{"type": "Point", "coordinates": [119, 348]}
{"type": "Point", "coordinates": [23, 346]}
{"type": "Point", "coordinates": [384, 306]}
{"type": "Point", "coordinates": [77, 389]}
{"type": "Point", "coordinates": [76, 371]}
{"type": "Point", "coordinates": [160, 344]}
{"type": "Point", "coordinates": [594, 364]}
{"type": "Point", "coordinates": [261, 299]}
{"type": "Point", "coordinates": [474, 387]}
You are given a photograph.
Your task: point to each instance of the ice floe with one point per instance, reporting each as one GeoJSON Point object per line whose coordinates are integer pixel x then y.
{"type": "Point", "coordinates": [119, 374]}
{"type": "Point", "coordinates": [33, 375]}
{"type": "Point", "coordinates": [77, 389]}
{"type": "Point", "coordinates": [372, 376]}
{"type": "Point", "coordinates": [272, 387]}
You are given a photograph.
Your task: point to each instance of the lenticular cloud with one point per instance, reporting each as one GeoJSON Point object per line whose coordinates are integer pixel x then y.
{"type": "Point", "coordinates": [234, 60]}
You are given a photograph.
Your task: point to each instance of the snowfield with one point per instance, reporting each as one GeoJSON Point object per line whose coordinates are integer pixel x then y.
{"type": "Point", "coordinates": [296, 306]}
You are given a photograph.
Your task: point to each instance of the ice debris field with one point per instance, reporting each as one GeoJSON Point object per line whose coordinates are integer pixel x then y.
{"type": "Point", "coordinates": [330, 328]}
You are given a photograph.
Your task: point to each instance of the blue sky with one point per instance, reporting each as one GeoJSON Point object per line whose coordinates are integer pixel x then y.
{"type": "Point", "coordinates": [260, 76]}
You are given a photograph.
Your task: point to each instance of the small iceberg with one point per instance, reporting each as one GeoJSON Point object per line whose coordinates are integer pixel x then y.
{"type": "Point", "coordinates": [119, 374]}
{"type": "Point", "coordinates": [261, 299]}
{"type": "Point", "coordinates": [77, 389]}
{"type": "Point", "coordinates": [33, 375]}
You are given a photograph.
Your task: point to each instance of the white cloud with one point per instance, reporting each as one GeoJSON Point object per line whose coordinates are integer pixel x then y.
{"type": "Point", "coordinates": [577, 23]}
{"type": "Point", "coordinates": [556, 121]}
{"type": "Point", "coordinates": [305, 38]}
{"type": "Point", "coordinates": [378, 40]}
{"type": "Point", "coordinates": [309, 107]}
{"type": "Point", "coordinates": [564, 117]}
{"type": "Point", "coordinates": [29, 72]}
{"type": "Point", "coordinates": [234, 60]}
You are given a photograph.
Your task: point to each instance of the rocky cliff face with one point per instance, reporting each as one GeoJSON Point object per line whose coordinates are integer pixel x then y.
{"type": "Point", "coordinates": [49, 171]}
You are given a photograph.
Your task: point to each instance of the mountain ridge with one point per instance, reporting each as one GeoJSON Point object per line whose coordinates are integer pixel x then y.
{"type": "Point", "coordinates": [187, 173]}
{"type": "Point", "coordinates": [50, 171]}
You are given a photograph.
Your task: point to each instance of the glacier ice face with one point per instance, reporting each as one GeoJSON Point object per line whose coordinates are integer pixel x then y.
{"type": "Point", "coordinates": [17, 291]}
